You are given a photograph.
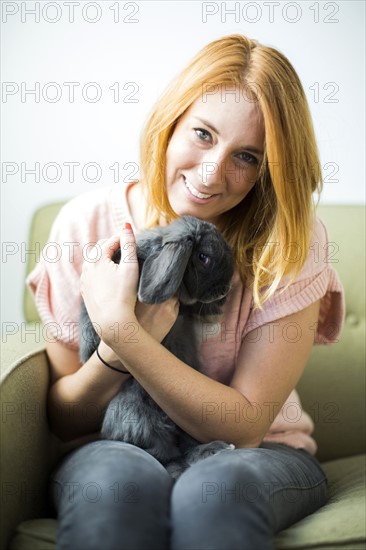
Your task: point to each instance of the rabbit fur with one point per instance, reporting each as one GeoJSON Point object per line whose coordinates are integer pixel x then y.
{"type": "Point", "coordinates": [191, 260]}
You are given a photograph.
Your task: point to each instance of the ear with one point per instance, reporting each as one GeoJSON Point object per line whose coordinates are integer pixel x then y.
{"type": "Point", "coordinates": [163, 271]}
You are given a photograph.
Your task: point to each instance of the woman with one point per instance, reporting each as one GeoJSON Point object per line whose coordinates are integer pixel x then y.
{"type": "Point", "coordinates": [231, 141]}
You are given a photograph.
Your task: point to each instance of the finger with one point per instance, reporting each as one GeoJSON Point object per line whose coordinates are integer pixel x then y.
{"type": "Point", "coordinates": [173, 302]}
{"type": "Point", "coordinates": [109, 246]}
{"type": "Point", "coordinates": [128, 266]}
{"type": "Point", "coordinates": [128, 245]}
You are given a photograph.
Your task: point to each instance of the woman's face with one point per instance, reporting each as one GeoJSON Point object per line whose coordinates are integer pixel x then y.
{"type": "Point", "coordinates": [214, 154]}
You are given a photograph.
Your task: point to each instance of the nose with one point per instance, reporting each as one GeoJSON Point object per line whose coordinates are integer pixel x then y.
{"type": "Point", "coordinates": [211, 170]}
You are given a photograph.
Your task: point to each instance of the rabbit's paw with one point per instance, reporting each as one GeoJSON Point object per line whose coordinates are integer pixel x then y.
{"type": "Point", "coordinates": [207, 449]}
{"type": "Point", "coordinates": [176, 468]}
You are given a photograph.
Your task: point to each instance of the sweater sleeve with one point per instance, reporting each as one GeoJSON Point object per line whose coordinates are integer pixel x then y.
{"type": "Point", "coordinates": [55, 283]}
{"type": "Point", "coordinates": [317, 280]}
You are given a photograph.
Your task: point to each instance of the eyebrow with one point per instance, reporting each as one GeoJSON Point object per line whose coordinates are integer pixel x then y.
{"type": "Point", "coordinates": [247, 148]}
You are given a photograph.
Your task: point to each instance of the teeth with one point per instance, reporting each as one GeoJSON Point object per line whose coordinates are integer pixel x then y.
{"type": "Point", "coordinates": [194, 191]}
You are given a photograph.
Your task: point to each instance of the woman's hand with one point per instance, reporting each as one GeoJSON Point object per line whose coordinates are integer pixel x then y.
{"type": "Point", "coordinates": [110, 294]}
{"type": "Point", "coordinates": [109, 290]}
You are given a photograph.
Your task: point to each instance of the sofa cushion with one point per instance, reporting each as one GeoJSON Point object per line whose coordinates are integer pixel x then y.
{"type": "Point", "coordinates": [340, 524]}
{"type": "Point", "coordinates": [35, 534]}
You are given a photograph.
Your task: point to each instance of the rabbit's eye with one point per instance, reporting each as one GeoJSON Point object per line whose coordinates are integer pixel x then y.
{"type": "Point", "coordinates": [203, 258]}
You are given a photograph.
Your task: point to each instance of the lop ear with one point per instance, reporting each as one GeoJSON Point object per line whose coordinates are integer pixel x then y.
{"type": "Point", "coordinates": [162, 272]}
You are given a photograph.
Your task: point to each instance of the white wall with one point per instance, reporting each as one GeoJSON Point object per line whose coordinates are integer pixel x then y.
{"type": "Point", "coordinates": [147, 45]}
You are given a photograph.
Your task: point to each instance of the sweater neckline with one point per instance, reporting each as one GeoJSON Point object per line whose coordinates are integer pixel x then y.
{"type": "Point", "coordinates": [120, 208]}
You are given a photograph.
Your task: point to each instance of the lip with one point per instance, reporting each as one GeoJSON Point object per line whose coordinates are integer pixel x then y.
{"type": "Point", "coordinates": [195, 199]}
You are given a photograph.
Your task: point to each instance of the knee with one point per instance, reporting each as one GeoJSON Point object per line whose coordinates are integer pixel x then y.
{"type": "Point", "coordinates": [118, 485]}
{"type": "Point", "coordinates": [113, 456]}
{"type": "Point", "coordinates": [224, 492]}
{"type": "Point", "coordinates": [107, 464]}
{"type": "Point", "coordinates": [225, 476]}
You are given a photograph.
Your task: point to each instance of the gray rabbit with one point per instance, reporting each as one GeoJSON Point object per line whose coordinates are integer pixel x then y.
{"type": "Point", "coordinates": [191, 260]}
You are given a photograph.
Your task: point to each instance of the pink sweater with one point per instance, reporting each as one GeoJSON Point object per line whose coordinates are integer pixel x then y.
{"type": "Point", "coordinates": [100, 213]}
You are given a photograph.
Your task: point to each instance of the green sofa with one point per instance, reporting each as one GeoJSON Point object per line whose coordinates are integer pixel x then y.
{"type": "Point", "coordinates": [331, 389]}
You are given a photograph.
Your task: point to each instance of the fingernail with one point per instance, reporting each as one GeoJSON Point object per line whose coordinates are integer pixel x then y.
{"type": "Point", "coordinates": [127, 227]}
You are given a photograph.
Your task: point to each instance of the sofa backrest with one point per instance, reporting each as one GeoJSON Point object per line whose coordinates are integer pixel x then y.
{"type": "Point", "coordinates": [332, 386]}
{"type": "Point", "coordinates": [38, 235]}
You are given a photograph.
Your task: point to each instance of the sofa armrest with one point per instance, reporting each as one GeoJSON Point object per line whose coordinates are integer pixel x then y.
{"type": "Point", "coordinates": [29, 450]}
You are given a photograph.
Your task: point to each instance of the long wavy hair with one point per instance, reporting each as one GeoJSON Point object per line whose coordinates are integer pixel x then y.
{"type": "Point", "coordinates": [270, 230]}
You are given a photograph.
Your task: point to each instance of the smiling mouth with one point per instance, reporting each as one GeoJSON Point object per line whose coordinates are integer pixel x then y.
{"type": "Point", "coordinates": [194, 191]}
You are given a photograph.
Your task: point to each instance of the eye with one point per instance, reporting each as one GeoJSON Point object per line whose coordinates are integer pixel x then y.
{"type": "Point", "coordinates": [202, 134]}
{"type": "Point", "coordinates": [204, 259]}
{"type": "Point", "coordinates": [248, 158]}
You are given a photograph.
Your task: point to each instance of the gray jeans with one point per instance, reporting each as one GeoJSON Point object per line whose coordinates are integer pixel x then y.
{"type": "Point", "coordinates": [115, 496]}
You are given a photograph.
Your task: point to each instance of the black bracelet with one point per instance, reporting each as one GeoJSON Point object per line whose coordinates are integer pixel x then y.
{"type": "Point", "coordinates": [110, 366]}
